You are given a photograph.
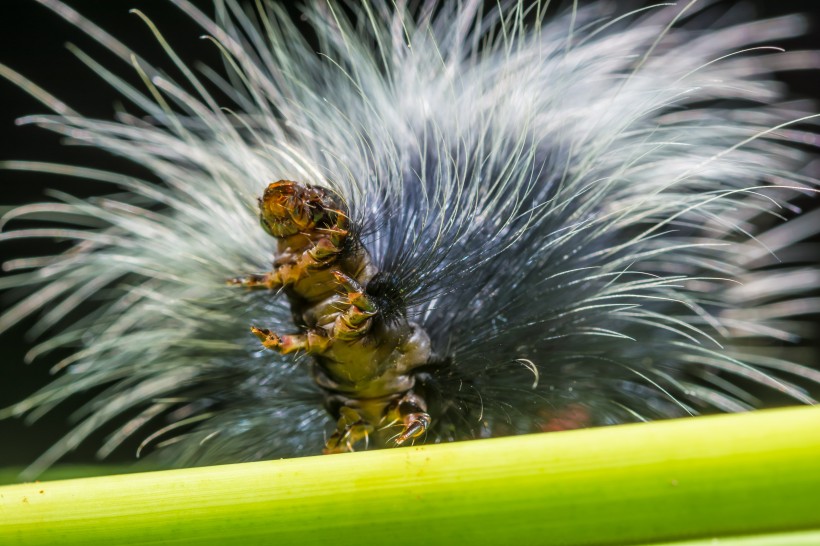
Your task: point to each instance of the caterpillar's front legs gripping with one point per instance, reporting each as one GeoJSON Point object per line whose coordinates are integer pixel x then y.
{"type": "Point", "coordinates": [355, 321]}
{"type": "Point", "coordinates": [350, 324]}
{"type": "Point", "coordinates": [271, 280]}
{"type": "Point", "coordinates": [311, 342]}
{"type": "Point", "coordinates": [319, 255]}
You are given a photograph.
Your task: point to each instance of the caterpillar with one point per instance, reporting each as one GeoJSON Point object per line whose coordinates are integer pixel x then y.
{"type": "Point", "coordinates": [438, 222]}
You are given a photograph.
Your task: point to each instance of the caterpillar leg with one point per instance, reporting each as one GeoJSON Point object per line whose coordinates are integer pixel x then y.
{"type": "Point", "coordinates": [355, 321]}
{"type": "Point", "coordinates": [319, 255]}
{"type": "Point", "coordinates": [310, 342]}
{"type": "Point", "coordinates": [351, 428]}
{"type": "Point", "coordinates": [412, 411]}
{"type": "Point", "coordinates": [270, 280]}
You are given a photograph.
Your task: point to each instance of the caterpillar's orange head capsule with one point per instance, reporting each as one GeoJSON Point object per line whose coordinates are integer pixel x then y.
{"type": "Point", "coordinates": [287, 208]}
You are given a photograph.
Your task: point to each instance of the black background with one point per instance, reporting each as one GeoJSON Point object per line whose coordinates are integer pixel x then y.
{"type": "Point", "coordinates": [32, 40]}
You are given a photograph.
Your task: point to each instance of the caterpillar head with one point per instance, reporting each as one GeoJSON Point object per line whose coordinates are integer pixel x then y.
{"type": "Point", "coordinates": [287, 208]}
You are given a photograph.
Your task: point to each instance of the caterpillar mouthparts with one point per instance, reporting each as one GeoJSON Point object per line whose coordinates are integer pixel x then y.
{"type": "Point", "coordinates": [450, 223]}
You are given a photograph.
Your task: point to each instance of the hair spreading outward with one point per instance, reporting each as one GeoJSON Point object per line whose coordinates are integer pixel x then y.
{"type": "Point", "coordinates": [475, 221]}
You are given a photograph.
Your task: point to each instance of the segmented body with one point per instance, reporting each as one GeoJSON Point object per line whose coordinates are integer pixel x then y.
{"type": "Point", "coordinates": [363, 361]}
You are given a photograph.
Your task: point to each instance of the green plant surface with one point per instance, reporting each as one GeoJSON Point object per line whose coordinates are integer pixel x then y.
{"type": "Point", "coordinates": [701, 478]}
{"type": "Point", "coordinates": [800, 538]}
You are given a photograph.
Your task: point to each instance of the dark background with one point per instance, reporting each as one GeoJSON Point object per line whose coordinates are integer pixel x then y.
{"type": "Point", "coordinates": [32, 40]}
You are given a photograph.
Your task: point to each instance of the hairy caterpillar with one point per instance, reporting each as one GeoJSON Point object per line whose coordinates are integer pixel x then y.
{"type": "Point", "coordinates": [578, 212]}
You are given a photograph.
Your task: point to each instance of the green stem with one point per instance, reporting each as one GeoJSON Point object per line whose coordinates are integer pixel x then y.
{"type": "Point", "coordinates": [799, 538]}
{"type": "Point", "coordinates": [718, 476]}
